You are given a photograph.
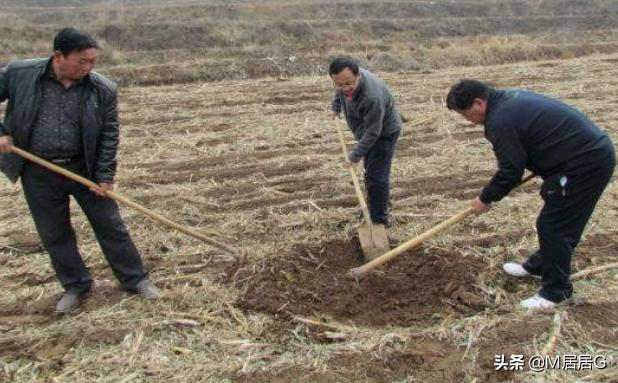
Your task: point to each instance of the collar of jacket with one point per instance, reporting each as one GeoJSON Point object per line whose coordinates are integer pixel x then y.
{"type": "Point", "coordinates": [493, 99]}
{"type": "Point", "coordinates": [47, 67]}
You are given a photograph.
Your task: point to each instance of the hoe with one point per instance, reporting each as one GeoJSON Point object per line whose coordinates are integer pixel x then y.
{"type": "Point", "coordinates": [359, 272]}
{"type": "Point", "coordinates": [110, 194]}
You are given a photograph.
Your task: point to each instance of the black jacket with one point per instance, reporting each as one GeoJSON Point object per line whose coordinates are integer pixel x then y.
{"type": "Point", "coordinates": [529, 130]}
{"type": "Point", "coordinates": [20, 85]}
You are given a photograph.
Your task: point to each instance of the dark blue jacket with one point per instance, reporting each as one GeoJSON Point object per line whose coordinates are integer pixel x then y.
{"type": "Point", "coordinates": [534, 132]}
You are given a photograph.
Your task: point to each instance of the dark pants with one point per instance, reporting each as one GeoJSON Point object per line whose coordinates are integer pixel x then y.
{"type": "Point", "coordinates": [564, 216]}
{"type": "Point", "coordinates": [377, 176]}
{"type": "Point", "coordinates": [47, 194]}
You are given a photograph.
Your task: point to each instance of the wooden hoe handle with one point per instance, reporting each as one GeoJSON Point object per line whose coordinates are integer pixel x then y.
{"type": "Point", "coordinates": [125, 201]}
{"type": "Point", "coordinates": [359, 272]}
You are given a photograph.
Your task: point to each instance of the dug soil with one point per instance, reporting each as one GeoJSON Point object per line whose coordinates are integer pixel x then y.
{"type": "Point", "coordinates": [420, 286]}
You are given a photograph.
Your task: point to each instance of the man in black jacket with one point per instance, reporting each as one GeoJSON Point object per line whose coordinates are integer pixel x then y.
{"type": "Point", "coordinates": [63, 112]}
{"type": "Point", "coordinates": [371, 113]}
{"type": "Point", "coordinates": [557, 142]}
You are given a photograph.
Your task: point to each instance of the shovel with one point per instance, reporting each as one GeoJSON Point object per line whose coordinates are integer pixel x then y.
{"type": "Point", "coordinates": [125, 201]}
{"type": "Point", "coordinates": [372, 238]}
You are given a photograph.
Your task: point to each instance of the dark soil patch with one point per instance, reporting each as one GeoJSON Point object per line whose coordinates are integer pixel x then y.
{"type": "Point", "coordinates": [518, 285]}
{"type": "Point", "coordinates": [418, 286]}
{"type": "Point", "coordinates": [515, 337]}
{"type": "Point", "coordinates": [423, 361]}
{"type": "Point", "coordinates": [600, 319]}
{"type": "Point", "coordinates": [595, 250]}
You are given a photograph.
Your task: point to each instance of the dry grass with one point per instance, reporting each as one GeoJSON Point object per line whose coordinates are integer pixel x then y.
{"type": "Point", "coordinates": [255, 163]}
{"type": "Point", "coordinates": [154, 43]}
{"type": "Point", "coordinates": [258, 162]}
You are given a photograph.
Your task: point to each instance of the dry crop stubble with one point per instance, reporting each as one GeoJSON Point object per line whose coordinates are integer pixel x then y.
{"type": "Point", "coordinates": [212, 41]}
{"type": "Point", "coordinates": [258, 163]}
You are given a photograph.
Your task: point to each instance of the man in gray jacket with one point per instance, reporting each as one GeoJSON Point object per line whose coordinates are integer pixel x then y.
{"type": "Point", "coordinates": [371, 113]}
{"type": "Point", "coordinates": [63, 112]}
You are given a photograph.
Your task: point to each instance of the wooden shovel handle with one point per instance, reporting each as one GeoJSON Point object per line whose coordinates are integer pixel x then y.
{"type": "Point", "coordinates": [359, 272]}
{"type": "Point", "coordinates": [357, 188]}
{"type": "Point", "coordinates": [125, 201]}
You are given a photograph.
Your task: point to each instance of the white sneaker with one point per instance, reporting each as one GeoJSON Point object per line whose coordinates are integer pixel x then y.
{"type": "Point", "coordinates": [537, 302]}
{"type": "Point", "coordinates": [516, 270]}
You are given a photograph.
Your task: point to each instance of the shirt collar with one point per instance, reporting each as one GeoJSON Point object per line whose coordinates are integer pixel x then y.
{"type": "Point", "coordinates": [49, 74]}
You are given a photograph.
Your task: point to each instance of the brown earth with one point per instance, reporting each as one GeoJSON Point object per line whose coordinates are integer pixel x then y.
{"type": "Point", "coordinates": [508, 337]}
{"type": "Point", "coordinates": [599, 319]}
{"type": "Point", "coordinates": [596, 249]}
{"type": "Point", "coordinates": [420, 286]}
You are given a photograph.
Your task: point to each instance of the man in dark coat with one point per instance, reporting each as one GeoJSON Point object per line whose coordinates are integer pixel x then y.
{"type": "Point", "coordinates": [62, 111]}
{"type": "Point", "coordinates": [572, 155]}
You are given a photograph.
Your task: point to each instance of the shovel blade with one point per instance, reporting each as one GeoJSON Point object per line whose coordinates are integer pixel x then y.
{"type": "Point", "coordinates": [374, 245]}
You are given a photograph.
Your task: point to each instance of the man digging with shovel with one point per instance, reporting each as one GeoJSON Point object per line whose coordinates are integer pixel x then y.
{"type": "Point", "coordinates": [63, 112]}
{"type": "Point", "coordinates": [557, 142]}
{"type": "Point", "coordinates": [371, 114]}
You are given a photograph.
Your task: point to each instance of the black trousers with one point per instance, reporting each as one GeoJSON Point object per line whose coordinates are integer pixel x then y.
{"type": "Point", "coordinates": [378, 163]}
{"type": "Point", "coordinates": [570, 197]}
{"type": "Point", "coordinates": [47, 194]}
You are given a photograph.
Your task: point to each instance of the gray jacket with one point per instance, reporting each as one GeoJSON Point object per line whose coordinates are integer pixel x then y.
{"type": "Point", "coordinates": [372, 113]}
{"type": "Point", "coordinates": [20, 85]}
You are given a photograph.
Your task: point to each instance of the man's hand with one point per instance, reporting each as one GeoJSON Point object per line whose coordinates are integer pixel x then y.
{"type": "Point", "coordinates": [479, 206]}
{"type": "Point", "coordinates": [6, 144]}
{"type": "Point", "coordinates": [103, 188]}
{"type": "Point", "coordinates": [348, 164]}
{"type": "Point", "coordinates": [335, 115]}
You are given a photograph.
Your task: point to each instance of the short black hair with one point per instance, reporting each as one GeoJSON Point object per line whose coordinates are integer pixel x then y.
{"type": "Point", "coordinates": [69, 40]}
{"type": "Point", "coordinates": [462, 95]}
{"type": "Point", "coordinates": [340, 63]}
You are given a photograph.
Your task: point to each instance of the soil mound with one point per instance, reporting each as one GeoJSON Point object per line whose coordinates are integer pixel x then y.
{"type": "Point", "coordinates": [419, 286]}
